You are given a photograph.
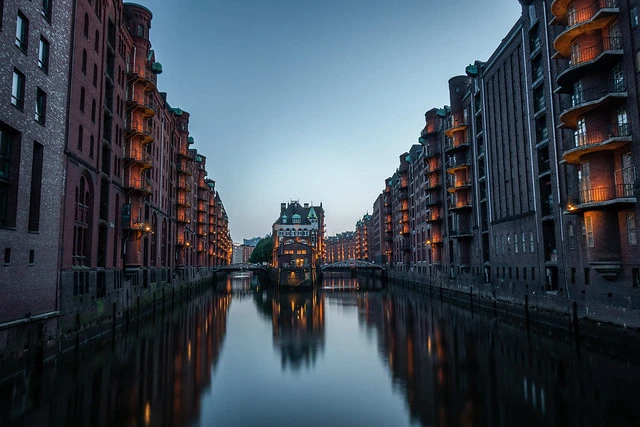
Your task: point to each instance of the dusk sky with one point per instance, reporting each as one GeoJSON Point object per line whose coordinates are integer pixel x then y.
{"type": "Point", "coordinates": [313, 100]}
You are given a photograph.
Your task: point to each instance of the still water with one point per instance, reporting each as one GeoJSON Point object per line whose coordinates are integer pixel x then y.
{"type": "Point", "coordinates": [244, 356]}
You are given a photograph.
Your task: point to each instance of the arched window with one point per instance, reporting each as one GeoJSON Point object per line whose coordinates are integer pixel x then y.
{"type": "Point", "coordinates": [96, 42]}
{"type": "Point", "coordinates": [82, 99]}
{"type": "Point", "coordinates": [86, 25]}
{"type": "Point", "coordinates": [116, 235]}
{"type": "Point", "coordinates": [84, 61]}
{"type": "Point", "coordinates": [163, 243]}
{"type": "Point", "coordinates": [91, 146]}
{"type": "Point", "coordinates": [82, 223]}
{"type": "Point", "coordinates": [95, 75]}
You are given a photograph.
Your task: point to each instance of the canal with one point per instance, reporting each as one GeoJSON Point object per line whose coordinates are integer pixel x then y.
{"type": "Point", "coordinates": [352, 354]}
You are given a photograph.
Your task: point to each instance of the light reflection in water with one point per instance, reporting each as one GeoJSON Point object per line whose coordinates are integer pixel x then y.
{"type": "Point", "coordinates": [441, 365]}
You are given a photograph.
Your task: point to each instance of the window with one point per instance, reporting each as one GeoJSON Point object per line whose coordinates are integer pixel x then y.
{"type": "Point", "coordinates": [91, 146]}
{"type": "Point", "coordinates": [96, 42]}
{"type": "Point", "coordinates": [17, 89]}
{"type": "Point", "coordinates": [633, 13]}
{"type": "Point", "coordinates": [84, 62]}
{"type": "Point", "coordinates": [82, 227]}
{"type": "Point", "coordinates": [532, 13]}
{"type": "Point", "coordinates": [22, 32]}
{"type": "Point", "coordinates": [524, 244]}
{"type": "Point", "coordinates": [140, 31]}
{"type": "Point", "coordinates": [631, 229]}
{"type": "Point", "coordinates": [82, 99]}
{"type": "Point", "coordinates": [80, 137]}
{"type": "Point", "coordinates": [584, 179]}
{"type": "Point", "coordinates": [580, 134]}
{"type": "Point", "coordinates": [9, 160]}
{"type": "Point", "coordinates": [41, 106]}
{"type": "Point", "coordinates": [95, 75]}
{"type": "Point", "coordinates": [93, 110]}
{"type": "Point", "coordinates": [46, 9]}
{"type": "Point", "coordinates": [531, 247]}
{"type": "Point", "coordinates": [43, 55]}
{"type": "Point", "coordinates": [588, 225]}
{"type": "Point", "coordinates": [36, 187]}
{"type": "Point", "coordinates": [515, 242]}
{"type": "Point", "coordinates": [86, 25]}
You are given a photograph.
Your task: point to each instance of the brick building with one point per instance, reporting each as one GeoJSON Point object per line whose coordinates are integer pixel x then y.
{"type": "Point", "coordinates": [130, 210]}
{"type": "Point", "coordinates": [34, 62]}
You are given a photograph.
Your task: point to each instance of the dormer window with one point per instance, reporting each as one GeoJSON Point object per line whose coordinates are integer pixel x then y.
{"type": "Point", "coordinates": [284, 219]}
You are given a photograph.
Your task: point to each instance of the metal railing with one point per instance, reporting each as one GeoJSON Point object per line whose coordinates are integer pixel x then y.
{"type": "Point", "coordinates": [595, 93]}
{"type": "Point", "coordinates": [604, 194]}
{"type": "Point", "coordinates": [142, 184]}
{"type": "Point", "coordinates": [579, 16]}
{"type": "Point", "coordinates": [596, 136]}
{"type": "Point", "coordinates": [143, 73]}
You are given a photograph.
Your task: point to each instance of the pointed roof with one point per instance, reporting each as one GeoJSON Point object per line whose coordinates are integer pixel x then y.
{"type": "Point", "coordinates": [312, 214]}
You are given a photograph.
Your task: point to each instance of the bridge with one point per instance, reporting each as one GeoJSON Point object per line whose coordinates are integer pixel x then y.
{"type": "Point", "coordinates": [352, 265]}
{"type": "Point", "coordinates": [258, 268]}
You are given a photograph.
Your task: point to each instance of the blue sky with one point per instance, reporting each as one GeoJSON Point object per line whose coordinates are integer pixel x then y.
{"type": "Point", "coordinates": [313, 100]}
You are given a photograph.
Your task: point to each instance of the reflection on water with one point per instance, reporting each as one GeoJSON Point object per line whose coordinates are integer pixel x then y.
{"type": "Point", "coordinates": [339, 356]}
{"type": "Point", "coordinates": [150, 374]}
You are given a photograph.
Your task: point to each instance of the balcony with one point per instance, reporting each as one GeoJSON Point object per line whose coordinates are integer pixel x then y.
{"type": "Point", "coordinates": [143, 75]}
{"type": "Point", "coordinates": [202, 206]}
{"type": "Point", "coordinates": [139, 128]}
{"type": "Point", "coordinates": [139, 157]}
{"type": "Point", "coordinates": [454, 164]}
{"type": "Point", "coordinates": [583, 101]}
{"type": "Point", "coordinates": [431, 153]}
{"type": "Point", "coordinates": [457, 127]}
{"type": "Point", "coordinates": [453, 146]}
{"type": "Point", "coordinates": [183, 170]}
{"type": "Point", "coordinates": [432, 166]}
{"type": "Point", "coordinates": [432, 184]}
{"type": "Point", "coordinates": [603, 54]}
{"type": "Point", "coordinates": [136, 184]}
{"type": "Point", "coordinates": [460, 233]}
{"type": "Point", "coordinates": [597, 198]}
{"type": "Point", "coordinates": [142, 103]}
{"type": "Point", "coordinates": [458, 203]}
{"type": "Point", "coordinates": [433, 201]}
{"type": "Point", "coordinates": [183, 202]}
{"type": "Point", "coordinates": [184, 185]}
{"type": "Point", "coordinates": [458, 184]}
{"type": "Point", "coordinates": [596, 16]}
{"type": "Point", "coordinates": [433, 216]}
{"type": "Point", "coordinates": [603, 139]}
{"type": "Point", "coordinates": [186, 154]}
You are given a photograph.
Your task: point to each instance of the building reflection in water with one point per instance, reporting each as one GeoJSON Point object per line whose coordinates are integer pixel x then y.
{"type": "Point", "coordinates": [297, 322]}
{"type": "Point", "coordinates": [150, 374]}
{"type": "Point", "coordinates": [457, 368]}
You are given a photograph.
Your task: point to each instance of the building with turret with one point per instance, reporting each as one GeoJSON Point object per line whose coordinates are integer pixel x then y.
{"type": "Point", "coordinates": [298, 235]}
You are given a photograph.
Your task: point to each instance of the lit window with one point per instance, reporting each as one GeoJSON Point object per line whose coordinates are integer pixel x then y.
{"type": "Point", "coordinates": [22, 32]}
{"type": "Point", "coordinates": [43, 55]}
{"type": "Point", "coordinates": [41, 106]}
{"type": "Point", "coordinates": [17, 89]}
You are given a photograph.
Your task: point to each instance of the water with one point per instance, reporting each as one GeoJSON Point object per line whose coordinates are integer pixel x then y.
{"type": "Point", "coordinates": [242, 355]}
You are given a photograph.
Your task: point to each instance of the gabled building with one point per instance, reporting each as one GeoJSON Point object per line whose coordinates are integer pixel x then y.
{"type": "Point", "coordinates": [298, 235]}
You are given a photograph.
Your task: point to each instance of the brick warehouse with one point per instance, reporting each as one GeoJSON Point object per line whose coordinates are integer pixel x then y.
{"type": "Point", "coordinates": [129, 208]}
{"type": "Point", "coordinates": [526, 183]}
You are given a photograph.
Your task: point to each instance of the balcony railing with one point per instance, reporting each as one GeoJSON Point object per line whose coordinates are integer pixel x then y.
{"type": "Point", "coordinates": [597, 136]}
{"type": "Point", "coordinates": [592, 52]}
{"type": "Point", "coordinates": [137, 126]}
{"type": "Point", "coordinates": [578, 16]}
{"type": "Point", "coordinates": [142, 73]}
{"type": "Point", "coordinates": [143, 101]}
{"type": "Point", "coordinates": [605, 194]}
{"type": "Point", "coordinates": [140, 184]}
{"type": "Point", "coordinates": [139, 156]}
{"type": "Point", "coordinates": [454, 162]}
{"type": "Point", "coordinates": [585, 96]}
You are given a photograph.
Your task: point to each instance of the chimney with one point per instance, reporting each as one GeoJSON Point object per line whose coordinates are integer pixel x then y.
{"type": "Point", "coordinates": [306, 205]}
{"type": "Point", "coordinates": [283, 207]}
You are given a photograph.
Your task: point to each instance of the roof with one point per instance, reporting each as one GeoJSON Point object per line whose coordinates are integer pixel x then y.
{"type": "Point", "coordinates": [295, 210]}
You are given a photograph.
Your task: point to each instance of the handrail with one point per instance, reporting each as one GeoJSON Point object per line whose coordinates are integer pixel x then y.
{"type": "Point", "coordinates": [584, 96]}
{"type": "Point", "coordinates": [596, 136]}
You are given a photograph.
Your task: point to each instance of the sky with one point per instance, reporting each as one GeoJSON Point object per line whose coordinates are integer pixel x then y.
{"type": "Point", "coordinates": [313, 100]}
